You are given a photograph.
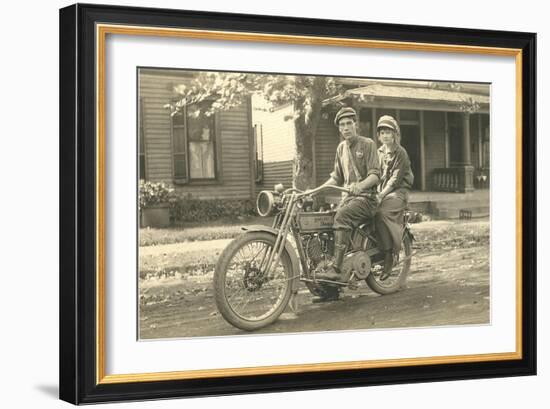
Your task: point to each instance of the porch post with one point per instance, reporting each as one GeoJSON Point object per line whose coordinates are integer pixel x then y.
{"type": "Point", "coordinates": [447, 155]}
{"type": "Point", "coordinates": [479, 143]}
{"type": "Point", "coordinates": [373, 120]}
{"type": "Point", "coordinates": [314, 156]}
{"type": "Point", "coordinates": [422, 154]}
{"type": "Point", "coordinates": [466, 176]}
{"type": "Point", "coordinates": [466, 150]}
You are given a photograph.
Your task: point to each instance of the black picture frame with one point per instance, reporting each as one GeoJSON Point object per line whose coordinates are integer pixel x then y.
{"type": "Point", "coordinates": [79, 380]}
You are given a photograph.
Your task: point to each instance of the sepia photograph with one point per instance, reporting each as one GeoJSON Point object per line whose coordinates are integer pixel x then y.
{"type": "Point", "coordinates": [288, 203]}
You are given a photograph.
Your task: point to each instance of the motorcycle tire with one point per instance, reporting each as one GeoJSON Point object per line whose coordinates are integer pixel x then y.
{"type": "Point", "coordinates": [252, 307]}
{"type": "Point", "coordinates": [396, 280]}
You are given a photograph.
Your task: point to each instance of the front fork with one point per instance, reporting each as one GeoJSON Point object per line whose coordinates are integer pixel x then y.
{"type": "Point", "coordinates": [280, 241]}
{"type": "Point", "coordinates": [301, 253]}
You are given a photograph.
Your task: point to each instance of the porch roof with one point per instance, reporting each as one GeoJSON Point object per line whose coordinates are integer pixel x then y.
{"type": "Point", "coordinates": [410, 93]}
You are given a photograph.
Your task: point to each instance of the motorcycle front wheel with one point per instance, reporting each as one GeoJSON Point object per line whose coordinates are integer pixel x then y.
{"type": "Point", "coordinates": [245, 295]}
{"type": "Point", "coordinates": [397, 278]}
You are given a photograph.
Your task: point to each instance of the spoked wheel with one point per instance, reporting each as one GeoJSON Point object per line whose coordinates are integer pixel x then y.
{"type": "Point", "coordinates": [246, 296]}
{"type": "Point", "coordinates": [402, 266]}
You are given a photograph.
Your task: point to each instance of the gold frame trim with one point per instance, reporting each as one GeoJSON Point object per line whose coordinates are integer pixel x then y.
{"type": "Point", "coordinates": [102, 30]}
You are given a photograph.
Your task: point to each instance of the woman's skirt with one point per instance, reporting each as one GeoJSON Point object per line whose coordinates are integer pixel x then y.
{"type": "Point", "coordinates": [389, 219]}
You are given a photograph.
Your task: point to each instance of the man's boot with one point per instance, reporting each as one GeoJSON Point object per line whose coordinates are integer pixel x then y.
{"type": "Point", "coordinates": [341, 239]}
{"type": "Point", "coordinates": [388, 265]}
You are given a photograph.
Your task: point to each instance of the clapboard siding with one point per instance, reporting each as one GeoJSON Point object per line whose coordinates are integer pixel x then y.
{"type": "Point", "coordinates": [275, 173]}
{"type": "Point", "coordinates": [277, 129]}
{"type": "Point", "coordinates": [233, 128]}
{"type": "Point", "coordinates": [326, 142]}
{"type": "Point", "coordinates": [434, 143]}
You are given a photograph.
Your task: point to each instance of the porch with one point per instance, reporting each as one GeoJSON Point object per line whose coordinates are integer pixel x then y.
{"type": "Point", "coordinates": [445, 205]}
{"type": "Point", "coordinates": [445, 129]}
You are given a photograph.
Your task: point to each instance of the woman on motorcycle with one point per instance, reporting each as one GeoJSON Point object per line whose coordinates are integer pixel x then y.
{"type": "Point", "coordinates": [394, 188]}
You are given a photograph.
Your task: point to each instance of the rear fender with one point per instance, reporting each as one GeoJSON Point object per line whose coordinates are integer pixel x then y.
{"type": "Point", "coordinates": [288, 247]}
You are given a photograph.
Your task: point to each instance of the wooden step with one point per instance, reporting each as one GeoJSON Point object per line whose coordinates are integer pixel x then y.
{"type": "Point", "coordinates": [467, 212]}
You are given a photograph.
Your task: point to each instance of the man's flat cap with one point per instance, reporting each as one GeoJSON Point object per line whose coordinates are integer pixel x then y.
{"type": "Point", "coordinates": [343, 113]}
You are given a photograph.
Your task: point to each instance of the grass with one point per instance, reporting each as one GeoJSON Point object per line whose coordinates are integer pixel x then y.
{"type": "Point", "coordinates": [220, 229]}
{"type": "Point", "coordinates": [229, 228]}
{"type": "Point", "coordinates": [434, 238]}
{"type": "Point", "coordinates": [182, 263]}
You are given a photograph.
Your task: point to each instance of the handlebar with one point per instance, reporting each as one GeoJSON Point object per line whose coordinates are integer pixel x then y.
{"type": "Point", "coordinates": [313, 192]}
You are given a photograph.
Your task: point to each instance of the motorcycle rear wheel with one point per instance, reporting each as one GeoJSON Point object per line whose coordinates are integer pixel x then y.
{"type": "Point", "coordinates": [399, 274]}
{"type": "Point", "coordinates": [244, 296]}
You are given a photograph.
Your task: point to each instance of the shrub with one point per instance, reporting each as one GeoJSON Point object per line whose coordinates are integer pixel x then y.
{"type": "Point", "coordinates": [187, 209]}
{"type": "Point", "coordinates": [151, 194]}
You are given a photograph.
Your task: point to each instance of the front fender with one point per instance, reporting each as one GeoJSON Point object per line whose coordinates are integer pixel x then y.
{"type": "Point", "coordinates": [288, 247]}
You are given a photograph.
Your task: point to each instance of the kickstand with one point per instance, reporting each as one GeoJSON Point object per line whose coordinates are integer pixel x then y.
{"type": "Point", "coordinates": [293, 302]}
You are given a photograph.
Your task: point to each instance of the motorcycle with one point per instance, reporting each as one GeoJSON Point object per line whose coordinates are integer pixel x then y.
{"type": "Point", "coordinates": [258, 274]}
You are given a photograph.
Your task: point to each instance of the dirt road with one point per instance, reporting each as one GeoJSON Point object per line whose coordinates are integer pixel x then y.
{"type": "Point", "coordinates": [448, 285]}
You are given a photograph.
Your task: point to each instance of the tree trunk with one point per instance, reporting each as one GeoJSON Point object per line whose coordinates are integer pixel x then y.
{"type": "Point", "coordinates": [305, 130]}
{"type": "Point", "coordinates": [303, 161]}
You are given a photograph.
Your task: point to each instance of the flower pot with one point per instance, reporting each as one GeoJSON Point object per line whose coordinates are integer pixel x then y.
{"type": "Point", "coordinates": [155, 216]}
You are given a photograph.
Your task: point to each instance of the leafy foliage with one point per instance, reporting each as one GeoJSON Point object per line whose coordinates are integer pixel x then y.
{"type": "Point", "coordinates": [151, 194]}
{"type": "Point", "coordinates": [187, 209]}
{"type": "Point", "coordinates": [467, 104]}
{"type": "Point", "coordinates": [225, 90]}
{"type": "Point", "coordinates": [214, 91]}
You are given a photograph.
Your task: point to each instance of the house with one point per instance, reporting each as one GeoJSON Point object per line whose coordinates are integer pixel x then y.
{"type": "Point", "coordinates": [235, 153]}
{"type": "Point", "coordinates": [209, 157]}
{"type": "Point", "coordinates": [274, 143]}
{"type": "Point", "coordinates": [445, 129]}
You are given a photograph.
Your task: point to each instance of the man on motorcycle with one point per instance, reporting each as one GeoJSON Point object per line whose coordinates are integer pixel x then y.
{"type": "Point", "coordinates": [356, 167]}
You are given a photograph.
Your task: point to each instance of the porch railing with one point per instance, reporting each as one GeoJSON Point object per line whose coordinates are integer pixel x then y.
{"type": "Point", "coordinates": [460, 179]}
{"type": "Point", "coordinates": [447, 179]}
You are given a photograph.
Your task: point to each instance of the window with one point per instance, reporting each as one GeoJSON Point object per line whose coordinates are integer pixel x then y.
{"type": "Point", "coordinates": [406, 115]}
{"type": "Point", "coordinates": [365, 123]}
{"type": "Point", "coordinates": [141, 147]}
{"type": "Point", "coordinates": [456, 135]}
{"type": "Point", "coordinates": [385, 111]}
{"type": "Point", "coordinates": [194, 145]}
{"type": "Point", "coordinates": [259, 150]}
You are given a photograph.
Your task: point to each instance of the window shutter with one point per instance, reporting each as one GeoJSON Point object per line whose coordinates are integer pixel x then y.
{"type": "Point", "coordinates": [259, 152]}
{"type": "Point", "coordinates": [141, 140]}
{"type": "Point", "coordinates": [180, 150]}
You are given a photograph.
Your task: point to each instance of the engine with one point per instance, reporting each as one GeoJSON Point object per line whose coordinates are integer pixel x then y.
{"type": "Point", "coordinates": [359, 262]}
{"type": "Point", "coordinates": [319, 248]}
